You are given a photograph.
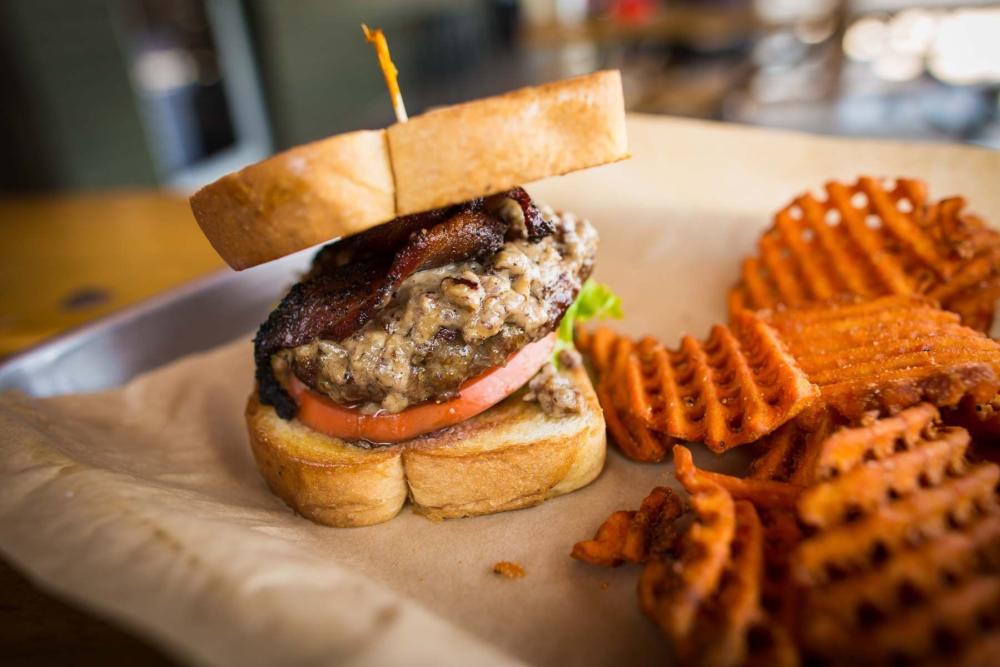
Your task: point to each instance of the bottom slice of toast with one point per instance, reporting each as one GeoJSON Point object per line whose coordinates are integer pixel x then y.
{"type": "Point", "coordinates": [509, 457]}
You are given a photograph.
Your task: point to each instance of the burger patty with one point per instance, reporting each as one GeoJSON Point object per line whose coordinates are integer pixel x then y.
{"type": "Point", "coordinates": [448, 324]}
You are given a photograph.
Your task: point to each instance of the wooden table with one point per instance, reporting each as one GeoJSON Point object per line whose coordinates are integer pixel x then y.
{"type": "Point", "coordinates": [63, 261]}
{"type": "Point", "coordinates": [70, 259]}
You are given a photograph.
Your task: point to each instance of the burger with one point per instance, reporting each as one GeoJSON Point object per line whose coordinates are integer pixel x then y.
{"type": "Point", "coordinates": [427, 352]}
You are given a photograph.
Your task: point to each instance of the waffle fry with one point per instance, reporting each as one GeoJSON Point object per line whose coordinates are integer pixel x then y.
{"type": "Point", "coordinates": [597, 346]}
{"type": "Point", "coordinates": [909, 578]}
{"type": "Point", "coordinates": [672, 595]}
{"type": "Point", "coordinates": [872, 239]}
{"type": "Point", "coordinates": [906, 548]}
{"type": "Point", "coordinates": [630, 537]}
{"type": "Point", "coordinates": [609, 353]}
{"type": "Point", "coordinates": [790, 453]}
{"type": "Point", "coordinates": [924, 634]}
{"type": "Point", "coordinates": [782, 534]}
{"type": "Point", "coordinates": [887, 354]}
{"type": "Point", "coordinates": [607, 545]}
{"type": "Point", "coordinates": [708, 601]}
{"type": "Point", "coordinates": [854, 538]}
{"type": "Point", "coordinates": [793, 453]}
{"type": "Point", "coordinates": [775, 503]}
{"type": "Point", "coordinates": [972, 291]}
{"type": "Point", "coordinates": [919, 516]}
{"type": "Point", "coordinates": [982, 420]}
{"type": "Point", "coordinates": [650, 531]}
{"type": "Point", "coordinates": [720, 635]}
{"type": "Point", "coordinates": [763, 494]}
{"type": "Point", "coordinates": [735, 387]}
{"type": "Point", "coordinates": [843, 451]}
{"type": "Point", "coordinates": [918, 452]}
{"type": "Point", "coordinates": [899, 561]}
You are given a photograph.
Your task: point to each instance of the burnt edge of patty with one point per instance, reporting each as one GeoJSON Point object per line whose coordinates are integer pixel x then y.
{"type": "Point", "coordinates": [351, 280]}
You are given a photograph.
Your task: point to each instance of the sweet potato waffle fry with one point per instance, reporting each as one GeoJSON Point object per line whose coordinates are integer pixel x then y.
{"type": "Point", "coordinates": [672, 595]}
{"type": "Point", "coordinates": [607, 353]}
{"type": "Point", "coordinates": [604, 349]}
{"type": "Point", "coordinates": [789, 454]}
{"type": "Point", "coordinates": [890, 555]}
{"type": "Point", "coordinates": [982, 420]}
{"type": "Point", "coordinates": [709, 600]}
{"type": "Point", "coordinates": [731, 389]}
{"type": "Point", "coordinates": [631, 433]}
{"type": "Point", "coordinates": [705, 588]}
{"type": "Point", "coordinates": [888, 353]}
{"type": "Point", "coordinates": [854, 539]}
{"type": "Point", "coordinates": [904, 549]}
{"type": "Point", "coordinates": [630, 537]}
{"type": "Point", "coordinates": [873, 239]}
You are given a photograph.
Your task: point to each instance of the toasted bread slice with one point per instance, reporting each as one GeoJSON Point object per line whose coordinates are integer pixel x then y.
{"type": "Point", "coordinates": [493, 144]}
{"type": "Point", "coordinates": [350, 182]}
{"type": "Point", "coordinates": [509, 457]}
{"type": "Point", "coordinates": [309, 194]}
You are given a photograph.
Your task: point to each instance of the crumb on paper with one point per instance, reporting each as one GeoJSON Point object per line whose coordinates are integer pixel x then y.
{"type": "Point", "coordinates": [508, 569]}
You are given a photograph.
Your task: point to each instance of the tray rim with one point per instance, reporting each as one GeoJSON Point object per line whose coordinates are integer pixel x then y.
{"type": "Point", "coordinates": [120, 316]}
{"type": "Point", "coordinates": [51, 350]}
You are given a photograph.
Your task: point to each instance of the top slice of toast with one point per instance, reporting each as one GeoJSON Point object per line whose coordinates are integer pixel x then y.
{"type": "Point", "coordinates": [350, 182]}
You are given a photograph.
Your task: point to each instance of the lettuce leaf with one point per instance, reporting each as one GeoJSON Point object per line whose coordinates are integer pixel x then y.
{"type": "Point", "coordinates": [595, 300]}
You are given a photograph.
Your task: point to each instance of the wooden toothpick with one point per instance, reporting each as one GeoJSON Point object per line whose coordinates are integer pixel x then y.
{"type": "Point", "coordinates": [377, 38]}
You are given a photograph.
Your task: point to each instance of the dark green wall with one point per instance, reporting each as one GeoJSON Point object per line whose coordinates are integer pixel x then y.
{"type": "Point", "coordinates": [68, 118]}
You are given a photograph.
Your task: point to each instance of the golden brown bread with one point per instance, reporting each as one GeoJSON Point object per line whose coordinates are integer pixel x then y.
{"type": "Point", "coordinates": [493, 144]}
{"type": "Point", "coordinates": [298, 198]}
{"type": "Point", "coordinates": [509, 457]}
{"type": "Point", "coordinates": [351, 182]}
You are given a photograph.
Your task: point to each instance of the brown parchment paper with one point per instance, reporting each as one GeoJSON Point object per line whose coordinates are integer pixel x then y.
{"type": "Point", "coordinates": [144, 503]}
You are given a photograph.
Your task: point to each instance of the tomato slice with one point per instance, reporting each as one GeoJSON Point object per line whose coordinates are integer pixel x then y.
{"type": "Point", "coordinates": [476, 395]}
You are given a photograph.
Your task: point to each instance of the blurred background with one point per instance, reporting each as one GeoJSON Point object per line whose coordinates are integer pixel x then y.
{"type": "Point", "coordinates": [112, 93]}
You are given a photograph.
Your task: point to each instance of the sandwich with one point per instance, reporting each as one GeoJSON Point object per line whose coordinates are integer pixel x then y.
{"type": "Point", "coordinates": [427, 352]}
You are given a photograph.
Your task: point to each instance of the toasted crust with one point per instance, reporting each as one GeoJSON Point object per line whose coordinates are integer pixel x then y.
{"type": "Point", "coordinates": [351, 182]}
{"type": "Point", "coordinates": [509, 457]}
{"type": "Point", "coordinates": [298, 198]}
{"type": "Point", "coordinates": [493, 144]}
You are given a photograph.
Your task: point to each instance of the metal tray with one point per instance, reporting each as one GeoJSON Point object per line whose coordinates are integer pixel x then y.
{"type": "Point", "coordinates": [194, 317]}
